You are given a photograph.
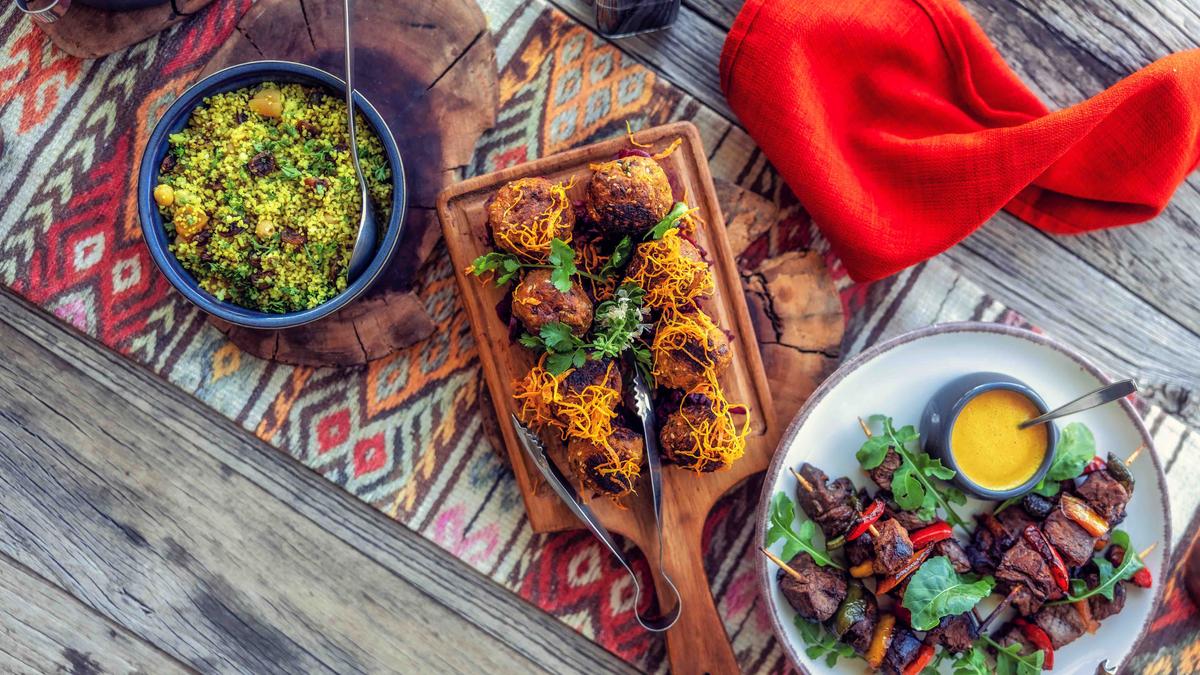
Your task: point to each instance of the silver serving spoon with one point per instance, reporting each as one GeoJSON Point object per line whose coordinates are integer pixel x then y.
{"type": "Point", "coordinates": [364, 243]}
{"type": "Point", "coordinates": [1106, 394]}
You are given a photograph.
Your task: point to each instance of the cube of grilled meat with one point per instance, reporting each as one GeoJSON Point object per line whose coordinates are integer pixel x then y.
{"type": "Point", "coordinates": [1013, 636]}
{"type": "Point", "coordinates": [892, 546]}
{"type": "Point", "coordinates": [984, 550]}
{"type": "Point", "coordinates": [829, 504]}
{"type": "Point", "coordinates": [1071, 541]}
{"type": "Point", "coordinates": [860, 550]}
{"type": "Point", "coordinates": [882, 474]}
{"type": "Point", "coordinates": [904, 648]}
{"type": "Point", "coordinates": [954, 553]}
{"type": "Point", "coordinates": [1062, 623]}
{"type": "Point", "coordinates": [1023, 565]}
{"type": "Point", "coordinates": [909, 519]}
{"type": "Point", "coordinates": [818, 593]}
{"type": "Point", "coordinates": [1102, 607]}
{"type": "Point", "coordinates": [956, 633]}
{"type": "Point", "coordinates": [1105, 495]}
{"type": "Point", "coordinates": [1014, 521]}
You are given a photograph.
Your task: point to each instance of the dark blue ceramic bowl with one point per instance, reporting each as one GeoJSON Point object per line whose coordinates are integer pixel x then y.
{"type": "Point", "coordinates": [942, 411]}
{"type": "Point", "coordinates": [176, 117]}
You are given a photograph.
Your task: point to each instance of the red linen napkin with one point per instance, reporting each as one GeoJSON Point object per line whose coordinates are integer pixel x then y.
{"type": "Point", "coordinates": [901, 129]}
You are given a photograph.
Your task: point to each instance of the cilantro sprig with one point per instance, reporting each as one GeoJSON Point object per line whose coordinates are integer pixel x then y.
{"type": "Point", "coordinates": [506, 266]}
{"type": "Point", "coordinates": [783, 512]}
{"type": "Point", "coordinates": [913, 485]}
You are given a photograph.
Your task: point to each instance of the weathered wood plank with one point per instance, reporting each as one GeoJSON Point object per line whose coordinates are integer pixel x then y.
{"type": "Point", "coordinates": [45, 630]}
{"type": "Point", "coordinates": [174, 523]}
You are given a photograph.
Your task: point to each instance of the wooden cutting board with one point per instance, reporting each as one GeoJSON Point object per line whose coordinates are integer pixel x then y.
{"type": "Point", "coordinates": [697, 643]}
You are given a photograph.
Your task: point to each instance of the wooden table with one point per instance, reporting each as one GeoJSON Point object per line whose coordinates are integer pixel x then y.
{"type": "Point", "coordinates": [83, 429]}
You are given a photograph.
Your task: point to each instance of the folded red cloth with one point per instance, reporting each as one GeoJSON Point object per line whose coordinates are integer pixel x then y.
{"type": "Point", "coordinates": [901, 129]}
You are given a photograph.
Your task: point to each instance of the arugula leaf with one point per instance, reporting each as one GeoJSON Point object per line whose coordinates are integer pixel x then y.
{"type": "Point", "coordinates": [562, 264]}
{"type": "Point", "coordinates": [619, 258]}
{"type": "Point", "coordinates": [937, 591]}
{"type": "Point", "coordinates": [972, 662]}
{"type": "Point", "coordinates": [668, 221]}
{"type": "Point", "coordinates": [912, 485]}
{"type": "Point", "coordinates": [1109, 577]}
{"type": "Point", "coordinates": [1076, 447]}
{"type": "Point", "coordinates": [783, 512]}
{"type": "Point", "coordinates": [822, 643]}
{"type": "Point", "coordinates": [1010, 662]}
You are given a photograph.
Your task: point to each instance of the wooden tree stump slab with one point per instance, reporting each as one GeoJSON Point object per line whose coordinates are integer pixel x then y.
{"type": "Point", "coordinates": [430, 70]}
{"type": "Point", "coordinates": [88, 32]}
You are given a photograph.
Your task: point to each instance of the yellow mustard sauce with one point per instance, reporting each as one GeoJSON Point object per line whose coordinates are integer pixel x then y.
{"type": "Point", "coordinates": [987, 445]}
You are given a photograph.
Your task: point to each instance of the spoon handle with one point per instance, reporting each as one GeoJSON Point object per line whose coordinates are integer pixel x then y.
{"type": "Point", "coordinates": [1106, 394]}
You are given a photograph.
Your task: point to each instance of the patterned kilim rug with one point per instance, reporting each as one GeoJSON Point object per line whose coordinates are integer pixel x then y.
{"type": "Point", "coordinates": [405, 433]}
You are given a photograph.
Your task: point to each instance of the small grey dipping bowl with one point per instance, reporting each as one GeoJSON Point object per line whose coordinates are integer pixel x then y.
{"type": "Point", "coordinates": [942, 411]}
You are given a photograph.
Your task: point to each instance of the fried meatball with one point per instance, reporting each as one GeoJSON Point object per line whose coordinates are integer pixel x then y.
{"type": "Point", "coordinates": [526, 214]}
{"type": "Point", "coordinates": [670, 270]}
{"type": "Point", "coordinates": [593, 372]}
{"type": "Point", "coordinates": [537, 302]}
{"type": "Point", "coordinates": [628, 195]}
{"type": "Point", "coordinates": [678, 442]}
{"type": "Point", "coordinates": [607, 472]}
{"type": "Point", "coordinates": [681, 357]}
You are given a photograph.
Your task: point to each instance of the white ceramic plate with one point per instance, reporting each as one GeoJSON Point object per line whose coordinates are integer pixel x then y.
{"type": "Point", "coordinates": [896, 378]}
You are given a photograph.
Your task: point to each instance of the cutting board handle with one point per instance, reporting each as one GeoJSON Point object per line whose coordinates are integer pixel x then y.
{"type": "Point", "coordinates": [697, 644]}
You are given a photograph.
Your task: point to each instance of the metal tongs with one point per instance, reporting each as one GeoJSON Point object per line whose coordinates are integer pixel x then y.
{"type": "Point", "coordinates": [562, 487]}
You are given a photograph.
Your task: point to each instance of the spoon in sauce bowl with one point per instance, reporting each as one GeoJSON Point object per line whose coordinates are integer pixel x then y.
{"type": "Point", "coordinates": [1106, 394]}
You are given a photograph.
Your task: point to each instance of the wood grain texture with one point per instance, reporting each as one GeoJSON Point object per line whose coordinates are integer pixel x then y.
{"type": "Point", "coordinates": [1128, 297]}
{"type": "Point", "coordinates": [220, 550]}
{"type": "Point", "coordinates": [430, 70]}
{"type": "Point", "coordinates": [88, 32]}
{"type": "Point", "coordinates": [45, 630]}
{"type": "Point", "coordinates": [693, 645]}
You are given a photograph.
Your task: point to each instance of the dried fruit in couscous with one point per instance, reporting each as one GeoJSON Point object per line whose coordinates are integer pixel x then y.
{"type": "Point", "coordinates": [260, 196]}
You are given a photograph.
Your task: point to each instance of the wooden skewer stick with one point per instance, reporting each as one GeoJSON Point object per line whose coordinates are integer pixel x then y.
{"type": "Point", "coordinates": [1134, 455]}
{"type": "Point", "coordinates": [996, 612]}
{"type": "Point", "coordinates": [782, 565]}
{"type": "Point", "coordinates": [1148, 551]}
{"type": "Point", "coordinates": [803, 482]}
{"type": "Point", "coordinates": [867, 430]}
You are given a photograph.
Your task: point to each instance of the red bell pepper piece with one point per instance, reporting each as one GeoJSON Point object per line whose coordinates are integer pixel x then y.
{"type": "Point", "coordinates": [1058, 570]}
{"type": "Point", "coordinates": [1038, 637]}
{"type": "Point", "coordinates": [903, 614]}
{"type": "Point", "coordinates": [893, 580]}
{"type": "Point", "coordinates": [922, 659]}
{"type": "Point", "coordinates": [1095, 465]}
{"type": "Point", "coordinates": [866, 519]}
{"type": "Point", "coordinates": [932, 534]}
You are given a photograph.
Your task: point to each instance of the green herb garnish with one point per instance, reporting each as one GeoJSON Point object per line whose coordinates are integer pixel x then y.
{"type": "Point", "coordinates": [822, 643]}
{"type": "Point", "coordinates": [936, 591]}
{"type": "Point", "coordinates": [619, 258]}
{"type": "Point", "coordinates": [1109, 577]}
{"type": "Point", "coordinates": [669, 221]}
{"type": "Point", "coordinates": [912, 483]}
{"type": "Point", "coordinates": [972, 662]}
{"type": "Point", "coordinates": [783, 512]}
{"type": "Point", "coordinates": [1010, 662]}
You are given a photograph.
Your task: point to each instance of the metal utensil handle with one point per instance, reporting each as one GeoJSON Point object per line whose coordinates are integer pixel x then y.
{"type": "Point", "coordinates": [1105, 394]}
{"type": "Point", "coordinates": [536, 452]}
{"type": "Point", "coordinates": [346, 11]}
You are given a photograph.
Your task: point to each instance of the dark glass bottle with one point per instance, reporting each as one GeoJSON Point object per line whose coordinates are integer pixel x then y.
{"type": "Point", "coordinates": [619, 18]}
